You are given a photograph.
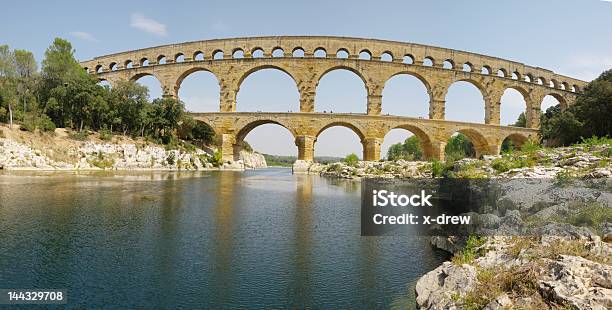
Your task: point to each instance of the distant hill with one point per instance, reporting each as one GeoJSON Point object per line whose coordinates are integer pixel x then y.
{"type": "Point", "coordinates": [287, 161]}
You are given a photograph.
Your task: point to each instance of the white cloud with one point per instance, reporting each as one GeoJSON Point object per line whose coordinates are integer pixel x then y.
{"type": "Point", "coordinates": [141, 22]}
{"type": "Point", "coordinates": [83, 36]}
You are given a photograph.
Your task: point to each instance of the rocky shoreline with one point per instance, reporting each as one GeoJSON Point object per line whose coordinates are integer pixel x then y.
{"type": "Point", "coordinates": [118, 156]}
{"type": "Point", "coordinates": [551, 250]}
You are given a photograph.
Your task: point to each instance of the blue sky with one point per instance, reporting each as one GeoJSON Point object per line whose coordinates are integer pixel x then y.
{"type": "Point", "coordinates": [572, 37]}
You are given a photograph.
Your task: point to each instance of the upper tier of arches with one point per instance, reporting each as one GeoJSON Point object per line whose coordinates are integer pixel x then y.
{"type": "Point", "coordinates": [333, 47]}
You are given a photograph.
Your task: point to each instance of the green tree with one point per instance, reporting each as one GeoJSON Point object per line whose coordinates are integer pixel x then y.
{"type": "Point", "coordinates": [589, 116]}
{"type": "Point", "coordinates": [409, 150]}
{"type": "Point", "coordinates": [351, 159]}
{"type": "Point", "coordinates": [521, 121]}
{"type": "Point", "coordinates": [8, 74]}
{"type": "Point", "coordinates": [459, 146]}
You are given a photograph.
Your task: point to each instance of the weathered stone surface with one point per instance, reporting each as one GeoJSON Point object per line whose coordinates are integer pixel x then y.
{"type": "Point", "coordinates": [579, 282]}
{"type": "Point", "coordinates": [307, 71]}
{"type": "Point", "coordinates": [253, 160]}
{"type": "Point", "coordinates": [436, 288]}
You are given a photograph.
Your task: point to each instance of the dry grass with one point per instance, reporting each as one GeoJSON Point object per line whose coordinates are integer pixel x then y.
{"type": "Point", "coordinates": [58, 145]}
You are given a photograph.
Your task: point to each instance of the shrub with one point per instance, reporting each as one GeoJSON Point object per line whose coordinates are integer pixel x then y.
{"type": "Point", "coordinates": [440, 168]}
{"type": "Point", "coordinates": [171, 159]}
{"type": "Point", "coordinates": [29, 124]}
{"type": "Point", "coordinates": [473, 249]}
{"type": "Point", "coordinates": [217, 159]}
{"type": "Point", "coordinates": [45, 123]}
{"type": "Point", "coordinates": [106, 135]}
{"type": "Point", "coordinates": [79, 135]}
{"type": "Point", "coordinates": [351, 159]}
{"type": "Point", "coordinates": [593, 141]}
{"type": "Point", "coordinates": [101, 162]}
{"type": "Point", "coordinates": [530, 147]}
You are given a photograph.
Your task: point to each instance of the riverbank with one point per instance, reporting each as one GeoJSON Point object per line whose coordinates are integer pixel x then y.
{"type": "Point", "coordinates": [61, 150]}
{"type": "Point", "coordinates": [550, 249]}
{"type": "Point", "coordinates": [591, 161]}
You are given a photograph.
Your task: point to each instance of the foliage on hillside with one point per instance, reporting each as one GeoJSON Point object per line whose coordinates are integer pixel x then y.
{"type": "Point", "coordinates": [589, 116]}
{"type": "Point", "coordinates": [62, 94]}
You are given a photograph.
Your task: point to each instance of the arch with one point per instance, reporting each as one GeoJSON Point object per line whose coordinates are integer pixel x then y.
{"type": "Point", "coordinates": [394, 134]}
{"type": "Point", "coordinates": [152, 82]}
{"type": "Point", "coordinates": [278, 52]}
{"type": "Point", "coordinates": [268, 137]}
{"type": "Point", "coordinates": [217, 55]}
{"type": "Point", "coordinates": [298, 52]}
{"type": "Point", "coordinates": [565, 86]}
{"type": "Point", "coordinates": [257, 52]}
{"type": "Point", "coordinates": [467, 67]}
{"type": "Point", "coordinates": [365, 55]}
{"type": "Point", "coordinates": [144, 62]}
{"type": "Point", "coordinates": [408, 59]}
{"type": "Point", "coordinates": [406, 87]}
{"type": "Point", "coordinates": [554, 83]}
{"type": "Point", "coordinates": [512, 104]}
{"type": "Point", "coordinates": [541, 81]}
{"type": "Point", "coordinates": [339, 139]}
{"type": "Point", "coordinates": [513, 141]}
{"type": "Point", "coordinates": [179, 57]}
{"type": "Point", "coordinates": [575, 88]}
{"type": "Point", "coordinates": [486, 70]}
{"type": "Point", "coordinates": [516, 75]}
{"type": "Point", "coordinates": [99, 69]}
{"type": "Point", "coordinates": [201, 92]}
{"type": "Point", "coordinates": [244, 130]}
{"type": "Point", "coordinates": [386, 56]}
{"type": "Point", "coordinates": [273, 91]}
{"type": "Point", "coordinates": [477, 139]}
{"type": "Point", "coordinates": [113, 66]}
{"type": "Point", "coordinates": [320, 52]}
{"type": "Point", "coordinates": [237, 53]}
{"type": "Point", "coordinates": [161, 60]}
{"type": "Point", "coordinates": [86, 69]}
{"type": "Point", "coordinates": [342, 53]}
{"type": "Point", "coordinates": [552, 99]}
{"type": "Point", "coordinates": [528, 78]}
{"type": "Point", "coordinates": [198, 55]}
{"type": "Point", "coordinates": [502, 72]}
{"type": "Point", "coordinates": [429, 61]}
{"type": "Point", "coordinates": [343, 100]}
{"type": "Point", "coordinates": [128, 64]}
{"type": "Point", "coordinates": [448, 64]}
{"type": "Point", "coordinates": [460, 99]}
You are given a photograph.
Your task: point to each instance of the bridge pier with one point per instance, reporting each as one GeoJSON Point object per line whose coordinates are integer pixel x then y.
{"type": "Point", "coordinates": [371, 148]}
{"type": "Point", "coordinates": [434, 150]}
{"type": "Point", "coordinates": [225, 143]}
{"type": "Point", "coordinates": [305, 146]}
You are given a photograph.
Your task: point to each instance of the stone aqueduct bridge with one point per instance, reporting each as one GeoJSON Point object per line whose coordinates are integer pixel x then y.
{"type": "Point", "coordinates": [308, 59]}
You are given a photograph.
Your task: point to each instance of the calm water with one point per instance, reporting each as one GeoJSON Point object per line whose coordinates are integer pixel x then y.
{"type": "Point", "coordinates": [256, 239]}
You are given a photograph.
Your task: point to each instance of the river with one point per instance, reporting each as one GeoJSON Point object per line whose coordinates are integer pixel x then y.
{"type": "Point", "coordinates": [254, 239]}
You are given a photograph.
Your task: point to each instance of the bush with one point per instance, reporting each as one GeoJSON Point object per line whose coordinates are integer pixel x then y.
{"type": "Point", "coordinates": [106, 135]}
{"type": "Point", "coordinates": [351, 159]}
{"type": "Point", "coordinates": [473, 249]}
{"type": "Point", "coordinates": [594, 141]}
{"type": "Point", "coordinates": [46, 124]}
{"type": "Point", "coordinates": [79, 135]}
{"type": "Point", "coordinates": [217, 159]}
{"type": "Point", "coordinates": [29, 124]}
{"type": "Point", "coordinates": [530, 146]}
{"type": "Point", "coordinates": [440, 168]}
